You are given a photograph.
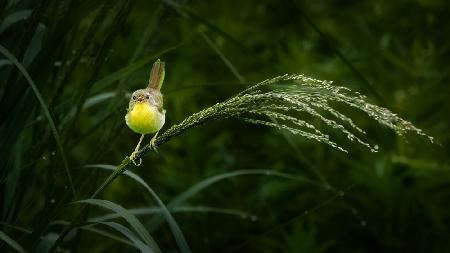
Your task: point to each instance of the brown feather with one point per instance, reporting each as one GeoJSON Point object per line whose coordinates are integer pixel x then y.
{"type": "Point", "coordinates": [157, 75]}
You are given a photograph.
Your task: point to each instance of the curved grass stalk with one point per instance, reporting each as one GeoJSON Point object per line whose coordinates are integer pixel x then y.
{"type": "Point", "coordinates": [277, 97]}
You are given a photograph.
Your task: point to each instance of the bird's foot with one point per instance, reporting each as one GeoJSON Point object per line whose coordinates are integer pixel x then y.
{"type": "Point", "coordinates": [153, 145]}
{"type": "Point", "coordinates": [133, 159]}
{"type": "Point", "coordinates": [152, 142]}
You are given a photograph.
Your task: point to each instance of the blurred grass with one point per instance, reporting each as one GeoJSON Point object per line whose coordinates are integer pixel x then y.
{"type": "Point", "coordinates": [85, 56]}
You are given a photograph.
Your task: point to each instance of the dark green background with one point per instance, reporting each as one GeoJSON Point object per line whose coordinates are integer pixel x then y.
{"type": "Point", "coordinates": [394, 52]}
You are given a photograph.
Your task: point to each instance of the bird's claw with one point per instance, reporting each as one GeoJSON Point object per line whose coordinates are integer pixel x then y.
{"type": "Point", "coordinates": [153, 145]}
{"type": "Point", "coordinates": [133, 159]}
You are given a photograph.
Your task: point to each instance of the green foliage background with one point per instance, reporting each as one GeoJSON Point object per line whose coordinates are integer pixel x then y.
{"type": "Point", "coordinates": [85, 57]}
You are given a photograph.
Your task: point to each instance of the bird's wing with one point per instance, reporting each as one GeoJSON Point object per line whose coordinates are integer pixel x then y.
{"type": "Point", "coordinates": [158, 98]}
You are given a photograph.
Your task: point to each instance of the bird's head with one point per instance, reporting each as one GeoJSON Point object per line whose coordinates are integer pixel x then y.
{"type": "Point", "coordinates": [139, 96]}
{"type": "Point", "coordinates": [143, 96]}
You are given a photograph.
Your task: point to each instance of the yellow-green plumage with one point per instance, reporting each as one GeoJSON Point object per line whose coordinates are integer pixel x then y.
{"type": "Point", "coordinates": [144, 118]}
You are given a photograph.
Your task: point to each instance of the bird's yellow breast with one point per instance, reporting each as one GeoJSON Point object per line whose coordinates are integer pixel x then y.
{"type": "Point", "coordinates": [144, 118]}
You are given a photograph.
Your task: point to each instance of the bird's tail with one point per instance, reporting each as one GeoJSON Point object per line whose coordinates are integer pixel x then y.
{"type": "Point", "coordinates": [157, 75]}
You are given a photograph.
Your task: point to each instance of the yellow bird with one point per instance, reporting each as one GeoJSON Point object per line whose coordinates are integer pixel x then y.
{"type": "Point", "coordinates": [145, 114]}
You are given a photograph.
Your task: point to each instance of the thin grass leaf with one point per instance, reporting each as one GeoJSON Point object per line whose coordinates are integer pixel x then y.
{"type": "Point", "coordinates": [176, 231]}
{"type": "Point", "coordinates": [109, 235]}
{"type": "Point", "coordinates": [4, 62]}
{"type": "Point", "coordinates": [21, 229]}
{"type": "Point", "coordinates": [209, 209]}
{"type": "Point", "coordinates": [87, 228]}
{"type": "Point", "coordinates": [130, 235]}
{"type": "Point", "coordinates": [188, 14]}
{"type": "Point", "coordinates": [35, 45]}
{"type": "Point", "coordinates": [91, 101]}
{"type": "Point", "coordinates": [4, 237]}
{"type": "Point", "coordinates": [195, 189]}
{"type": "Point", "coordinates": [222, 57]}
{"type": "Point", "coordinates": [182, 209]}
{"type": "Point", "coordinates": [130, 218]}
{"type": "Point", "coordinates": [49, 118]}
{"type": "Point", "coordinates": [14, 18]}
{"type": "Point", "coordinates": [10, 200]}
{"type": "Point", "coordinates": [133, 241]}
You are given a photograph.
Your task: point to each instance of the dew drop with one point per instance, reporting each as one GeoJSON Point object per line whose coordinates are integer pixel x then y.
{"type": "Point", "coordinates": [52, 201]}
{"type": "Point", "coordinates": [53, 153]}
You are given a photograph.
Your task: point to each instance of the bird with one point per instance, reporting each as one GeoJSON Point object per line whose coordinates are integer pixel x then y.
{"type": "Point", "coordinates": [145, 113]}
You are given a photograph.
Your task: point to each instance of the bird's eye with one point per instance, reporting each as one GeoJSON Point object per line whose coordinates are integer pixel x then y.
{"type": "Point", "coordinates": [147, 96]}
{"type": "Point", "coordinates": [134, 97]}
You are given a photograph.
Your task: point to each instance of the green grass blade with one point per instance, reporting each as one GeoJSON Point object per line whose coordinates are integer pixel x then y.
{"type": "Point", "coordinates": [35, 45]}
{"type": "Point", "coordinates": [99, 98]}
{"type": "Point", "coordinates": [49, 118]}
{"type": "Point", "coordinates": [177, 233]}
{"type": "Point", "coordinates": [12, 185]}
{"type": "Point", "coordinates": [130, 235]}
{"type": "Point", "coordinates": [134, 241]}
{"type": "Point", "coordinates": [13, 18]}
{"type": "Point", "coordinates": [130, 218]}
{"type": "Point", "coordinates": [109, 235]}
{"type": "Point", "coordinates": [222, 56]}
{"type": "Point", "coordinates": [4, 237]}
{"type": "Point", "coordinates": [209, 209]}
{"type": "Point", "coordinates": [189, 14]}
{"type": "Point", "coordinates": [193, 190]}
{"type": "Point", "coordinates": [182, 209]}
{"type": "Point", "coordinates": [65, 223]}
